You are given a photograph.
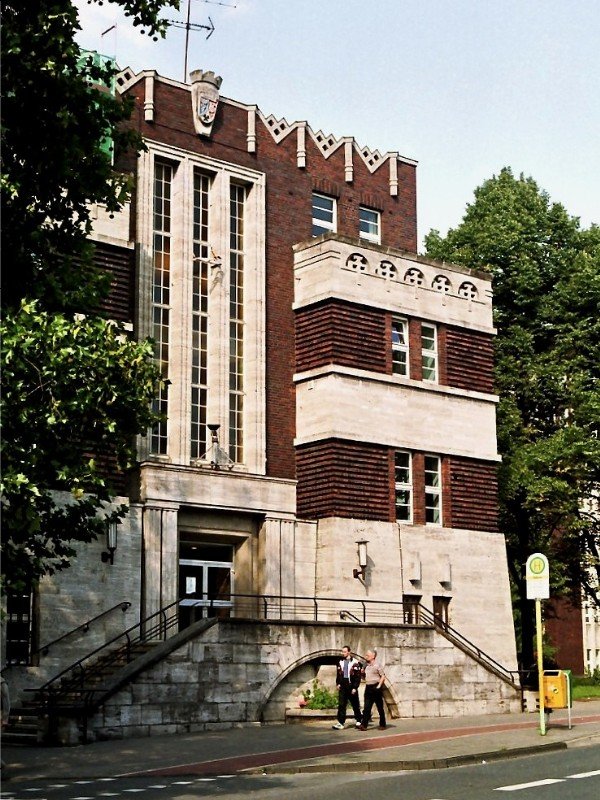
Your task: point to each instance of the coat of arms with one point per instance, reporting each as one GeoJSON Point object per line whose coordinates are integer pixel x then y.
{"type": "Point", "coordinates": [205, 100]}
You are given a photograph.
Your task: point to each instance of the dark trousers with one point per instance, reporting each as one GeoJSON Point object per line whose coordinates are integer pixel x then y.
{"type": "Point", "coordinates": [345, 694]}
{"type": "Point", "coordinates": [373, 695]}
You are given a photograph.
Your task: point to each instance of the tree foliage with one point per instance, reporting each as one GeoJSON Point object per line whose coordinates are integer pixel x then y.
{"type": "Point", "coordinates": [76, 390]}
{"type": "Point", "coordinates": [74, 386]}
{"type": "Point", "coordinates": [546, 281]}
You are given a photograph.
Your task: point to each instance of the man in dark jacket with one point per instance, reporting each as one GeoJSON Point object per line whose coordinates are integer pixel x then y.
{"type": "Point", "coordinates": [348, 681]}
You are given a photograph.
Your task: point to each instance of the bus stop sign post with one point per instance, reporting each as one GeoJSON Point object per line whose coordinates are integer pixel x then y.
{"type": "Point", "coordinates": [537, 578]}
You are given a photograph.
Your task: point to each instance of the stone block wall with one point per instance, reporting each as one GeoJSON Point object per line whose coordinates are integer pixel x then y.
{"type": "Point", "coordinates": [244, 672]}
{"type": "Point", "coordinates": [74, 596]}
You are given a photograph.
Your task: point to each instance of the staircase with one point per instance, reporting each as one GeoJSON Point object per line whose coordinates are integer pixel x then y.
{"type": "Point", "coordinates": [23, 727]}
{"type": "Point", "coordinates": [81, 688]}
{"type": "Point", "coordinates": [76, 694]}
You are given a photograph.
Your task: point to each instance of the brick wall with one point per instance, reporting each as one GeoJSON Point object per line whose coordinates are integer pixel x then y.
{"type": "Point", "coordinates": [335, 332]}
{"type": "Point", "coordinates": [356, 479]}
{"type": "Point", "coordinates": [343, 479]}
{"type": "Point", "coordinates": [473, 494]}
{"type": "Point", "coordinates": [469, 359]}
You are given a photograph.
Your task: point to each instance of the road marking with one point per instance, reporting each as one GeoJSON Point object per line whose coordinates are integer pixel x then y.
{"type": "Point", "coordinates": [158, 786]}
{"type": "Point", "coordinates": [181, 783]}
{"type": "Point", "coordinates": [83, 797]}
{"type": "Point", "coordinates": [585, 774]}
{"type": "Point", "coordinates": [517, 786]}
{"type": "Point", "coordinates": [134, 790]}
{"type": "Point", "coordinates": [205, 780]}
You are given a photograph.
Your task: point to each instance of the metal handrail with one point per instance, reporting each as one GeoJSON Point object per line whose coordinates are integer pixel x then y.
{"type": "Point", "coordinates": [161, 623]}
{"type": "Point", "coordinates": [123, 605]}
{"type": "Point", "coordinates": [348, 615]}
{"type": "Point", "coordinates": [465, 644]}
{"type": "Point", "coordinates": [158, 624]}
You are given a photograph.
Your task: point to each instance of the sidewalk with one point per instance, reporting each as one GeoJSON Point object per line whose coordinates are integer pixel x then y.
{"type": "Point", "coordinates": [314, 747]}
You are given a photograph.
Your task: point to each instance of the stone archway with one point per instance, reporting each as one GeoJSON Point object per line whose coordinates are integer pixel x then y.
{"type": "Point", "coordinates": [272, 706]}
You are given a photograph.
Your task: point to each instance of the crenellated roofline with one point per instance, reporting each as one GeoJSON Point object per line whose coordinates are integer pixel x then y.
{"type": "Point", "coordinates": [279, 129]}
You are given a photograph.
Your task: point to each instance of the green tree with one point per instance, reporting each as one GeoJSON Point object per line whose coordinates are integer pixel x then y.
{"type": "Point", "coordinates": [546, 281]}
{"type": "Point", "coordinates": [75, 386]}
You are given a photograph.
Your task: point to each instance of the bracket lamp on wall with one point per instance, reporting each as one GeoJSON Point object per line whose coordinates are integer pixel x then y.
{"type": "Point", "coordinates": [108, 557]}
{"type": "Point", "coordinates": [362, 559]}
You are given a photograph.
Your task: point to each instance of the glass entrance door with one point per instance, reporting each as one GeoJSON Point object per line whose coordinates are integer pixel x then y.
{"type": "Point", "coordinates": [205, 581]}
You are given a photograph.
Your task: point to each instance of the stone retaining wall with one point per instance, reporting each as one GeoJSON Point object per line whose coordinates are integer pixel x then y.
{"type": "Point", "coordinates": [244, 672]}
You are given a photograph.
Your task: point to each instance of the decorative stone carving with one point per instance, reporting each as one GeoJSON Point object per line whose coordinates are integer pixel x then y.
{"type": "Point", "coordinates": [326, 144]}
{"type": "Point", "coordinates": [205, 99]}
{"type": "Point", "coordinates": [149, 98]}
{"type": "Point", "coordinates": [385, 269]}
{"type": "Point", "coordinates": [441, 284]}
{"type": "Point", "coordinates": [279, 128]}
{"type": "Point", "coordinates": [468, 290]}
{"type": "Point", "coordinates": [357, 263]}
{"type": "Point", "coordinates": [414, 277]}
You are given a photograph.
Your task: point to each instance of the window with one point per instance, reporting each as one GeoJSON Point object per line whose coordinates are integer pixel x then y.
{"type": "Point", "coordinates": [19, 622]}
{"type": "Point", "coordinates": [161, 295]}
{"type": "Point", "coordinates": [202, 301]}
{"type": "Point", "coordinates": [199, 350]}
{"type": "Point", "coordinates": [236, 322]}
{"type": "Point", "coordinates": [369, 224]}
{"type": "Point", "coordinates": [429, 352]}
{"type": "Point", "coordinates": [403, 486]}
{"type": "Point", "coordinates": [400, 347]}
{"type": "Point", "coordinates": [323, 214]}
{"type": "Point", "coordinates": [433, 497]}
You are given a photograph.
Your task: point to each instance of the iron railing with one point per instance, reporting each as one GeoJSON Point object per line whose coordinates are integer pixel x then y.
{"type": "Point", "coordinates": [120, 650]}
{"type": "Point", "coordinates": [83, 628]}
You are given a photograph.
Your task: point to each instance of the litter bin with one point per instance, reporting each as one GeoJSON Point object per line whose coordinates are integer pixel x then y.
{"type": "Point", "coordinates": [557, 688]}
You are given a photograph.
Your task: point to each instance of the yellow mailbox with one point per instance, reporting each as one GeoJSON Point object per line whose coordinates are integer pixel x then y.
{"type": "Point", "coordinates": [557, 688]}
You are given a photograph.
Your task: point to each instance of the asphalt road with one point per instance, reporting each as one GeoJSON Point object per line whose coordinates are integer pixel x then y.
{"type": "Point", "coordinates": [572, 774]}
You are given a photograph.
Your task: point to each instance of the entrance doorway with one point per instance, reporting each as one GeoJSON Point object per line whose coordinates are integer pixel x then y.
{"type": "Point", "coordinates": [205, 581]}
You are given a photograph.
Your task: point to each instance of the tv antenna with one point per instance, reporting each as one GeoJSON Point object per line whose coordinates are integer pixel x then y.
{"type": "Point", "coordinates": [195, 26]}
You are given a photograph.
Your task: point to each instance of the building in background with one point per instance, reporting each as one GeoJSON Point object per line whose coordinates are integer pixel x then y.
{"type": "Point", "coordinates": [326, 387]}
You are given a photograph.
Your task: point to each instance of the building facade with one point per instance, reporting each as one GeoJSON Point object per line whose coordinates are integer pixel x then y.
{"type": "Point", "coordinates": [326, 386]}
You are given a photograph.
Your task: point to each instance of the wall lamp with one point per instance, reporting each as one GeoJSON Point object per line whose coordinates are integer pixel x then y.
{"type": "Point", "coordinates": [362, 559]}
{"type": "Point", "coordinates": [108, 557]}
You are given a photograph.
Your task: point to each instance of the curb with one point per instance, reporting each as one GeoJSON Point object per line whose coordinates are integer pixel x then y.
{"type": "Point", "coordinates": [401, 766]}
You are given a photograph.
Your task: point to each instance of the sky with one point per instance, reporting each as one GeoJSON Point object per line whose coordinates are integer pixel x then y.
{"type": "Point", "coordinates": [464, 87]}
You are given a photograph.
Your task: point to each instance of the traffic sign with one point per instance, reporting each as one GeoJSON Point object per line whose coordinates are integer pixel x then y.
{"type": "Point", "coordinates": [537, 577]}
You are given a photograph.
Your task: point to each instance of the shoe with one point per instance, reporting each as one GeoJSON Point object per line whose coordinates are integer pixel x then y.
{"type": "Point", "coordinates": [381, 727]}
{"type": "Point", "coordinates": [338, 726]}
{"type": "Point", "coordinates": [357, 724]}
{"type": "Point", "coordinates": [362, 727]}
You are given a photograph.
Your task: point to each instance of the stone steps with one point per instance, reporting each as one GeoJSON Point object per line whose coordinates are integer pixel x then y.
{"type": "Point", "coordinates": [22, 727]}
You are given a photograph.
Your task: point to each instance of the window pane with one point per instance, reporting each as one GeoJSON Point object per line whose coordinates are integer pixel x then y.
{"type": "Point", "coordinates": [433, 498]}
{"type": "Point", "coordinates": [429, 352]}
{"type": "Point", "coordinates": [400, 347]}
{"type": "Point", "coordinates": [369, 224]}
{"type": "Point", "coordinates": [403, 486]}
{"type": "Point", "coordinates": [323, 214]}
